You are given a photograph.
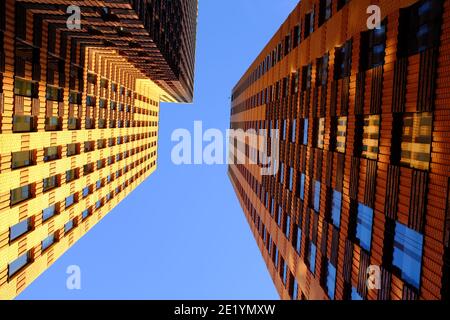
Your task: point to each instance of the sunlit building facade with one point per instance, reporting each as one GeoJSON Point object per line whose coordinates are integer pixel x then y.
{"type": "Point", "coordinates": [364, 162]}
{"type": "Point", "coordinates": [79, 102]}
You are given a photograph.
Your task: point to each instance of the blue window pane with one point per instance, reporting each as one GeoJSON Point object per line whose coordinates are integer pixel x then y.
{"type": "Point", "coordinates": [47, 242]}
{"type": "Point", "coordinates": [276, 257]}
{"type": "Point", "coordinates": [408, 246]}
{"type": "Point", "coordinates": [293, 130]}
{"type": "Point", "coordinates": [99, 184]}
{"type": "Point", "coordinates": [281, 172]}
{"type": "Point", "coordinates": [70, 200]}
{"type": "Point", "coordinates": [302, 186]}
{"type": "Point", "coordinates": [98, 204]}
{"type": "Point", "coordinates": [272, 207]}
{"type": "Point", "coordinates": [295, 290]}
{"type": "Point", "coordinates": [85, 214]}
{"type": "Point", "coordinates": [280, 214]}
{"type": "Point", "coordinates": [18, 264]}
{"type": "Point", "coordinates": [305, 132]}
{"type": "Point", "coordinates": [312, 258]}
{"type": "Point", "coordinates": [19, 229]}
{"type": "Point", "coordinates": [364, 226]}
{"type": "Point", "coordinates": [86, 192]}
{"type": "Point", "coordinates": [331, 280]}
{"type": "Point", "coordinates": [48, 213]}
{"type": "Point", "coordinates": [299, 240]}
{"type": "Point", "coordinates": [317, 196]}
{"type": "Point", "coordinates": [285, 272]}
{"type": "Point", "coordinates": [355, 294]}
{"type": "Point", "coordinates": [336, 208]}
{"type": "Point", "coordinates": [291, 178]}
{"type": "Point", "coordinates": [68, 226]}
{"type": "Point", "coordinates": [288, 226]}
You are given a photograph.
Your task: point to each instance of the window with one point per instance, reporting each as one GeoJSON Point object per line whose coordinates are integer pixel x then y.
{"type": "Point", "coordinates": [416, 140]}
{"type": "Point", "coordinates": [22, 159]}
{"type": "Point", "coordinates": [48, 213]}
{"type": "Point", "coordinates": [89, 146]}
{"type": "Point", "coordinates": [279, 216]}
{"type": "Point", "coordinates": [320, 133]}
{"type": "Point", "coordinates": [291, 178]}
{"type": "Point", "coordinates": [281, 172]}
{"type": "Point", "coordinates": [275, 256]}
{"type": "Point", "coordinates": [70, 200]}
{"type": "Point", "coordinates": [75, 97]}
{"type": "Point", "coordinates": [373, 45]}
{"type": "Point", "coordinates": [355, 295]}
{"type": "Point", "coordinates": [23, 123]}
{"type": "Point", "coordinates": [287, 226]}
{"type": "Point", "coordinates": [324, 11]}
{"type": "Point", "coordinates": [69, 226]}
{"type": "Point", "coordinates": [306, 77]}
{"type": "Point", "coordinates": [19, 264]}
{"type": "Point", "coordinates": [283, 130]}
{"type": "Point", "coordinates": [341, 135]}
{"type": "Point", "coordinates": [298, 240]}
{"type": "Point", "coordinates": [322, 70]}
{"type": "Point", "coordinates": [49, 183]}
{"type": "Point", "coordinates": [331, 280]}
{"type": "Point", "coordinates": [293, 130]}
{"type": "Point", "coordinates": [364, 226]}
{"type": "Point", "coordinates": [419, 27]}
{"type": "Point", "coordinates": [309, 23]}
{"type": "Point", "coordinates": [19, 229]}
{"type": "Point", "coordinates": [72, 175]}
{"type": "Point", "coordinates": [312, 258]}
{"type": "Point", "coordinates": [305, 132]}
{"type": "Point", "coordinates": [371, 136]}
{"type": "Point", "coordinates": [20, 194]}
{"type": "Point", "coordinates": [90, 101]}
{"type": "Point", "coordinates": [301, 188]}
{"type": "Point", "coordinates": [99, 184]}
{"type": "Point", "coordinates": [336, 204]}
{"type": "Point", "coordinates": [85, 214]}
{"type": "Point", "coordinates": [316, 196]}
{"type": "Point", "coordinates": [343, 61]}
{"type": "Point", "coordinates": [86, 192]}
{"type": "Point", "coordinates": [51, 153]}
{"type": "Point", "coordinates": [103, 83]}
{"type": "Point", "coordinates": [91, 78]}
{"type": "Point", "coordinates": [294, 294]}
{"type": "Point", "coordinates": [284, 270]}
{"type": "Point", "coordinates": [408, 246]}
{"type": "Point", "coordinates": [26, 88]}
{"type": "Point", "coordinates": [54, 93]}
{"type": "Point", "coordinates": [48, 242]}
{"type": "Point", "coordinates": [297, 35]}
{"type": "Point", "coordinates": [73, 149]}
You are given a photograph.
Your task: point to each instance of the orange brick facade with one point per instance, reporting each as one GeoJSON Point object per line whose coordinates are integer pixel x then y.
{"type": "Point", "coordinates": [363, 120]}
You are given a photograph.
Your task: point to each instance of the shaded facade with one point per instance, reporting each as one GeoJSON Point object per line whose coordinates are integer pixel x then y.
{"type": "Point", "coordinates": [79, 117]}
{"type": "Point", "coordinates": [364, 163]}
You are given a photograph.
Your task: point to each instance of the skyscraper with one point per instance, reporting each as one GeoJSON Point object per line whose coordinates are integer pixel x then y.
{"type": "Point", "coordinates": [358, 208]}
{"type": "Point", "coordinates": [80, 87]}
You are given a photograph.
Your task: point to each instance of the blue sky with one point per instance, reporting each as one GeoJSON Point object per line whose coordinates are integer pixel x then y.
{"type": "Point", "coordinates": [182, 234]}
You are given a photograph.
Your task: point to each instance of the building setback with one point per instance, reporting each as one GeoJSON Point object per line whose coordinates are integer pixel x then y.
{"type": "Point", "coordinates": [79, 116]}
{"type": "Point", "coordinates": [364, 161]}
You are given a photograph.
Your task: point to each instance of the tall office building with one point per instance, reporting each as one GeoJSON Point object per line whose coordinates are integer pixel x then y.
{"type": "Point", "coordinates": [79, 104]}
{"type": "Point", "coordinates": [364, 162]}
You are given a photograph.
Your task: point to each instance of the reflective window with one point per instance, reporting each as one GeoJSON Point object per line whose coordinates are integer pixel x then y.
{"type": "Point", "coordinates": [408, 246]}
{"type": "Point", "coordinates": [364, 226]}
{"type": "Point", "coordinates": [336, 205]}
